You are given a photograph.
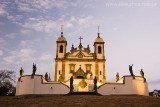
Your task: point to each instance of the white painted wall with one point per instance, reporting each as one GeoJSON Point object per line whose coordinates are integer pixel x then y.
{"type": "Point", "coordinates": [131, 86]}
{"type": "Point", "coordinates": [37, 86]}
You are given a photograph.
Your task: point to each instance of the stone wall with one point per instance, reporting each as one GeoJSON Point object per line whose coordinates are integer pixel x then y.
{"type": "Point", "coordinates": [130, 86]}
{"type": "Point", "coordinates": [38, 86]}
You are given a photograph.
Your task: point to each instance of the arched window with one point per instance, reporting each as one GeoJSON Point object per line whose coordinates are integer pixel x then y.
{"type": "Point", "coordinates": [99, 49]}
{"type": "Point", "coordinates": [61, 49]}
{"type": "Point", "coordinates": [59, 72]}
{"type": "Point", "coordinates": [100, 72]}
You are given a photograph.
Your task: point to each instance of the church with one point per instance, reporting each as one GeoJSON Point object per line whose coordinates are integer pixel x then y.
{"type": "Point", "coordinates": [80, 62]}
{"type": "Point", "coordinates": [80, 71]}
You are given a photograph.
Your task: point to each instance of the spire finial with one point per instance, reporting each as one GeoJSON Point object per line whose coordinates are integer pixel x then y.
{"type": "Point", "coordinates": [98, 32]}
{"type": "Point", "coordinates": [61, 30]}
{"type": "Point", "coordinates": [80, 39]}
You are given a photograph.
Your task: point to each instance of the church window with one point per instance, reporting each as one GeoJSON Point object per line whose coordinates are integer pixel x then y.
{"type": "Point", "coordinates": [61, 49]}
{"type": "Point", "coordinates": [99, 49]}
{"type": "Point", "coordinates": [59, 72]}
{"type": "Point", "coordinates": [100, 72]}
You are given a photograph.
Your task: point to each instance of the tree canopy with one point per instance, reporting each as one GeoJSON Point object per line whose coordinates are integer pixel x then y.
{"type": "Point", "coordinates": [7, 80]}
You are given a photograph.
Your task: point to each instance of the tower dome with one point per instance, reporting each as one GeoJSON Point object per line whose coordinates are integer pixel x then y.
{"type": "Point", "coordinates": [98, 39]}
{"type": "Point", "coordinates": [61, 39]}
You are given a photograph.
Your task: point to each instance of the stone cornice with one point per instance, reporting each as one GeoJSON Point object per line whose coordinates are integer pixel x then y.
{"type": "Point", "coordinates": [80, 60]}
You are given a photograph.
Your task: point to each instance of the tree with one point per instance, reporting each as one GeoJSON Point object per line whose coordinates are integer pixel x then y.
{"type": "Point", "coordinates": [7, 79]}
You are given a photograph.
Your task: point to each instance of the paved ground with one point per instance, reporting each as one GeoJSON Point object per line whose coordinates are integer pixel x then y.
{"type": "Point", "coordinates": [81, 101]}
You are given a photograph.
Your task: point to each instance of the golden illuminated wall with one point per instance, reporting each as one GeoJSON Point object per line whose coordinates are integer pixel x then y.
{"type": "Point", "coordinates": [67, 67]}
{"type": "Point", "coordinates": [72, 67]}
{"type": "Point", "coordinates": [76, 65]}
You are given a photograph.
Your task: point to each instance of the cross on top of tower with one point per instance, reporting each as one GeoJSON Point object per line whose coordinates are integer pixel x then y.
{"type": "Point", "coordinates": [80, 39]}
{"type": "Point", "coordinates": [98, 29]}
{"type": "Point", "coordinates": [98, 32]}
{"type": "Point", "coordinates": [61, 30]}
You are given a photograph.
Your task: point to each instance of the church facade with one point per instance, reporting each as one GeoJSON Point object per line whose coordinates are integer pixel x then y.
{"type": "Point", "coordinates": [80, 62]}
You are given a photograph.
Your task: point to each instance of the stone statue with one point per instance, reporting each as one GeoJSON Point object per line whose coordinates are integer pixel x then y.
{"type": "Point", "coordinates": [131, 71]}
{"type": "Point", "coordinates": [117, 77]}
{"type": "Point", "coordinates": [46, 76]}
{"type": "Point", "coordinates": [21, 72]}
{"type": "Point", "coordinates": [71, 84]}
{"type": "Point", "coordinates": [34, 69]}
{"type": "Point", "coordinates": [60, 78]}
{"type": "Point", "coordinates": [142, 73]}
{"type": "Point", "coordinates": [73, 49]}
{"type": "Point", "coordinates": [87, 49]}
{"type": "Point", "coordinates": [95, 84]}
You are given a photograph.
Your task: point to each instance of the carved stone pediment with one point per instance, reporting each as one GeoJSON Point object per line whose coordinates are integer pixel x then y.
{"type": "Point", "coordinates": [80, 74]}
{"type": "Point", "coordinates": [80, 55]}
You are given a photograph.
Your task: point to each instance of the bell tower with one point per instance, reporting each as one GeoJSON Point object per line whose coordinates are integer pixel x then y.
{"type": "Point", "coordinates": [99, 59]}
{"type": "Point", "coordinates": [61, 46]}
{"type": "Point", "coordinates": [60, 58]}
{"type": "Point", "coordinates": [99, 47]}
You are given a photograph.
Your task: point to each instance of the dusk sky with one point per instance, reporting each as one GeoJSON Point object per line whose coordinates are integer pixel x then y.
{"type": "Point", "coordinates": [130, 28]}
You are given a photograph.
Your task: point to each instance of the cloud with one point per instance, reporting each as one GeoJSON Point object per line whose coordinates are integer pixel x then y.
{"type": "Point", "coordinates": [24, 6]}
{"type": "Point", "coordinates": [15, 17]}
{"type": "Point", "coordinates": [3, 11]}
{"type": "Point", "coordinates": [42, 5]}
{"type": "Point", "coordinates": [73, 19]}
{"type": "Point", "coordinates": [154, 82]}
{"type": "Point", "coordinates": [11, 35]}
{"type": "Point", "coordinates": [115, 28]}
{"type": "Point", "coordinates": [2, 40]}
{"type": "Point", "coordinates": [84, 20]}
{"type": "Point", "coordinates": [9, 59]}
{"type": "Point", "coordinates": [1, 52]}
{"type": "Point", "coordinates": [1, 23]}
{"type": "Point", "coordinates": [49, 26]}
{"type": "Point", "coordinates": [42, 68]}
{"type": "Point", "coordinates": [20, 56]}
{"type": "Point", "coordinates": [45, 57]}
{"type": "Point", "coordinates": [41, 25]}
{"type": "Point", "coordinates": [25, 31]}
{"type": "Point", "coordinates": [68, 25]}
{"type": "Point", "coordinates": [26, 43]}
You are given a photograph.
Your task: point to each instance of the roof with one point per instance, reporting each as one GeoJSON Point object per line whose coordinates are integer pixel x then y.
{"type": "Point", "coordinates": [61, 38]}
{"type": "Point", "coordinates": [98, 39]}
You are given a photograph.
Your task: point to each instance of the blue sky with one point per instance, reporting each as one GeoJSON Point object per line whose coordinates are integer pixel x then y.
{"type": "Point", "coordinates": [130, 28]}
